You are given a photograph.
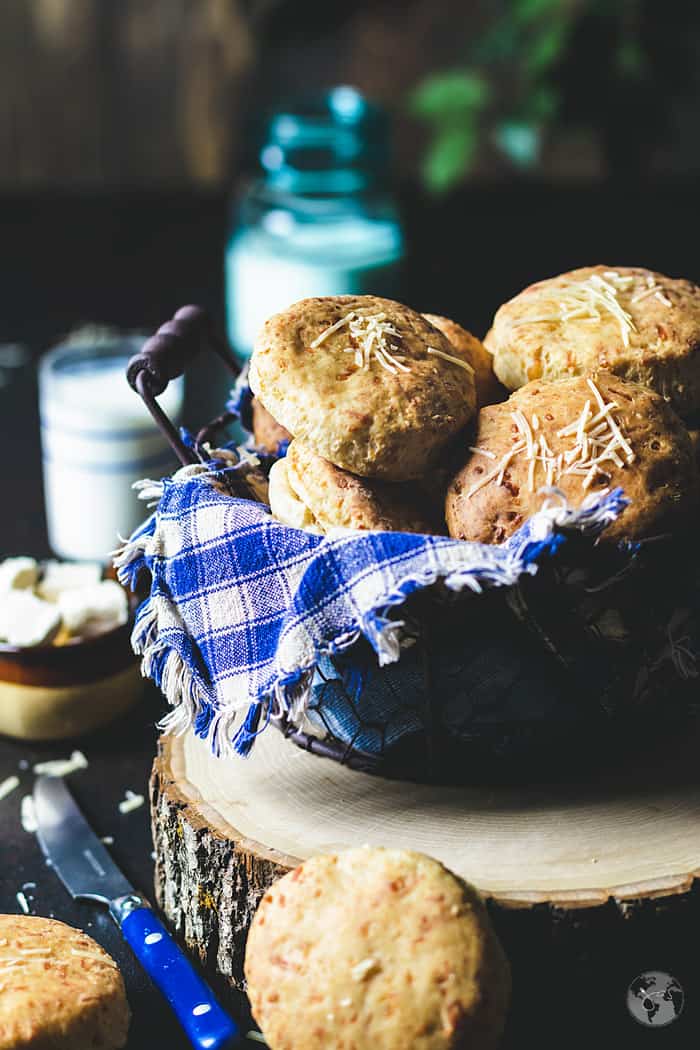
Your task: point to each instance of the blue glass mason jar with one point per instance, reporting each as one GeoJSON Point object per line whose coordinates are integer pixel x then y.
{"type": "Point", "coordinates": [319, 220]}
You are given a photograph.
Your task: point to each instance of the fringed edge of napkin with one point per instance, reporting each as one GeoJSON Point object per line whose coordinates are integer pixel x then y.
{"type": "Point", "coordinates": [195, 707]}
{"type": "Point", "coordinates": [186, 692]}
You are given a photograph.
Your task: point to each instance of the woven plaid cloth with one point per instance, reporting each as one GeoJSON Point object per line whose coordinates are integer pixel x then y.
{"type": "Point", "coordinates": [242, 608]}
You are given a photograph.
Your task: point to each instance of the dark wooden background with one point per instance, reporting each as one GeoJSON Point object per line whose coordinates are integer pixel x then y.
{"type": "Point", "coordinates": [104, 93]}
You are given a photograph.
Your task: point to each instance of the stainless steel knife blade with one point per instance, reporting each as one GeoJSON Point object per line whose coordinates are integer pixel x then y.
{"type": "Point", "coordinates": [74, 850]}
{"type": "Point", "coordinates": [88, 872]}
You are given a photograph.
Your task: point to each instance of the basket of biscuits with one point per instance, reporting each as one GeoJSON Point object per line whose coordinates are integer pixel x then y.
{"type": "Point", "coordinates": [435, 558]}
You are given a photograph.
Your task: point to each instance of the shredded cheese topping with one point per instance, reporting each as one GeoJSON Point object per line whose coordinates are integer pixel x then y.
{"type": "Point", "coordinates": [19, 962]}
{"type": "Point", "coordinates": [652, 288]}
{"type": "Point", "coordinates": [376, 339]}
{"type": "Point", "coordinates": [598, 439]}
{"type": "Point", "coordinates": [455, 360]}
{"type": "Point", "coordinates": [482, 451]}
{"type": "Point", "coordinates": [103, 960]}
{"type": "Point", "coordinates": [589, 299]}
{"type": "Point", "coordinates": [32, 956]}
{"type": "Point", "coordinates": [364, 969]}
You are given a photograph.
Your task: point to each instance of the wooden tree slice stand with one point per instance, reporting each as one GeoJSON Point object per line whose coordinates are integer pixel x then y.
{"type": "Point", "coordinates": [224, 830]}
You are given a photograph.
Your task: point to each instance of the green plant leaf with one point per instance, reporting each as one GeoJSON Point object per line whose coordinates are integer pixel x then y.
{"type": "Point", "coordinates": [546, 48]}
{"type": "Point", "coordinates": [528, 11]}
{"type": "Point", "coordinates": [446, 95]}
{"type": "Point", "coordinates": [449, 157]}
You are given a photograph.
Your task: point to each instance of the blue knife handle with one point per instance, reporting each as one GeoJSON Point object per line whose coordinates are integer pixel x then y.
{"type": "Point", "coordinates": [205, 1022]}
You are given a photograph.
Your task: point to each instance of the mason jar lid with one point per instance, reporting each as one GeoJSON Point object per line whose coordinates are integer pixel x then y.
{"type": "Point", "coordinates": [337, 142]}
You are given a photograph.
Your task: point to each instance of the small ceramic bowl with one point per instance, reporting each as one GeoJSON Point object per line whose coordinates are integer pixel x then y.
{"type": "Point", "coordinates": [50, 692]}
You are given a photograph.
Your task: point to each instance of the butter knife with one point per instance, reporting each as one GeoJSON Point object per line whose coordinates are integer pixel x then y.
{"type": "Point", "coordinates": [88, 872]}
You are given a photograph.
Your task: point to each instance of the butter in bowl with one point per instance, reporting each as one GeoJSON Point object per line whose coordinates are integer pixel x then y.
{"type": "Point", "coordinates": [66, 665]}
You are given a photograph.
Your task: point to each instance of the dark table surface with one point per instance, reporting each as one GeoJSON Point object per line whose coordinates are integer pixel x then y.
{"type": "Point", "coordinates": [131, 260]}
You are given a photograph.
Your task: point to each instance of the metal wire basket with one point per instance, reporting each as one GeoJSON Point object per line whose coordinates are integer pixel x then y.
{"type": "Point", "coordinates": [594, 653]}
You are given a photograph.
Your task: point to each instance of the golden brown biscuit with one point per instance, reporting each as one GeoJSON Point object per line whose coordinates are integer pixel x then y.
{"type": "Point", "coordinates": [365, 382]}
{"type": "Point", "coordinates": [267, 433]}
{"type": "Point", "coordinates": [639, 324]}
{"type": "Point", "coordinates": [378, 949]}
{"type": "Point", "coordinates": [488, 389]}
{"type": "Point", "coordinates": [581, 435]}
{"type": "Point", "coordinates": [58, 988]}
{"type": "Point", "coordinates": [310, 493]}
{"type": "Point", "coordinates": [286, 505]}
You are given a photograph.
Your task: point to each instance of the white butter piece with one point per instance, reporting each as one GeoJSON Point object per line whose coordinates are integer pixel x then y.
{"type": "Point", "coordinates": [101, 606]}
{"type": "Point", "coordinates": [18, 574]}
{"type": "Point", "coordinates": [27, 620]}
{"type": "Point", "coordinates": [60, 576]}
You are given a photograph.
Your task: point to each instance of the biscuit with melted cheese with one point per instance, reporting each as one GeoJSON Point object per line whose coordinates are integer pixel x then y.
{"type": "Point", "coordinates": [58, 989]}
{"type": "Point", "coordinates": [581, 435]}
{"type": "Point", "coordinates": [637, 323]}
{"type": "Point", "coordinates": [366, 383]}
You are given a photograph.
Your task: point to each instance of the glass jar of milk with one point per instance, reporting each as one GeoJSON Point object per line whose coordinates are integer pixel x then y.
{"type": "Point", "coordinates": [320, 220]}
{"type": "Point", "coordinates": [97, 439]}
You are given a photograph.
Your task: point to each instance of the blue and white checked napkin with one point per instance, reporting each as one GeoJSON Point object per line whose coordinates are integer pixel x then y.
{"type": "Point", "coordinates": [242, 608]}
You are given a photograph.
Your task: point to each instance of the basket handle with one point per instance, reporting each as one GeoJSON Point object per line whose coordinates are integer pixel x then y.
{"type": "Point", "coordinates": [165, 356]}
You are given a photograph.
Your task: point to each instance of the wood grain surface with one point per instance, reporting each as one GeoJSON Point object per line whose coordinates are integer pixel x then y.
{"type": "Point", "coordinates": [225, 829]}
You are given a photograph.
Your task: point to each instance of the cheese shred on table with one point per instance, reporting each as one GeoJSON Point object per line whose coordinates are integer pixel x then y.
{"type": "Point", "coordinates": [8, 785]}
{"type": "Point", "coordinates": [131, 802]}
{"type": "Point", "coordinates": [61, 767]}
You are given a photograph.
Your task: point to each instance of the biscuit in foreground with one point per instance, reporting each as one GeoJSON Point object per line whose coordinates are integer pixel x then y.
{"type": "Point", "coordinates": [310, 493]}
{"type": "Point", "coordinates": [582, 436]}
{"type": "Point", "coordinates": [637, 323]}
{"type": "Point", "coordinates": [366, 383]}
{"type": "Point", "coordinates": [376, 949]}
{"type": "Point", "coordinates": [59, 989]}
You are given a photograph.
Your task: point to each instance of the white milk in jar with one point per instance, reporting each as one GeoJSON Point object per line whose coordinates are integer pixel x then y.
{"type": "Point", "coordinates": [97, 438]}
{"type": "Point", "coordinates": [319, 219]}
